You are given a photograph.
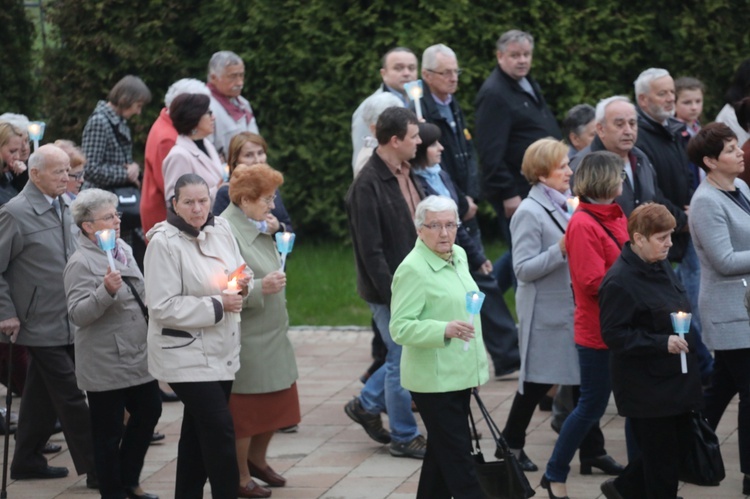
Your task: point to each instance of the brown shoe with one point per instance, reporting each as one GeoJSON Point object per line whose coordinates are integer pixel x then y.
{"type": "Point", "coordinates": [268, 475]}
{"type": "Point", "coordinates": [252, 489]}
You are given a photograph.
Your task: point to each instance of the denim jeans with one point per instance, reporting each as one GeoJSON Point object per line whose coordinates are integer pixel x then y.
{"type": "Point", "coordinates": [689, 273]}
{"type": "Point", "coordinates": [383, 390]}
{"type": "Point", "coordinates": [596, 387]}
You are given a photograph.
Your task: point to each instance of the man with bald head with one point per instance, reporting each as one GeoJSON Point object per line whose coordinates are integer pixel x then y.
{"type": "Point", "coordinates": [35, 244]}
{"type": "Point", "coordinates": [399, 66]}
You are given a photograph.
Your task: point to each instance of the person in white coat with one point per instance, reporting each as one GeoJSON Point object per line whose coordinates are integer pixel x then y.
{"type": "Point", "coordinates": [193, 335]}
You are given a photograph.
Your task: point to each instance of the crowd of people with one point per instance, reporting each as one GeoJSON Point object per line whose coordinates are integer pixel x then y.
{"type": "Point", "coordinates": [630, 212]}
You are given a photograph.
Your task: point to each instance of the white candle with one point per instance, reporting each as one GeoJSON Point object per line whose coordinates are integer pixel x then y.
{"type": "Point", "coordinates": [475, 304]}
{"type": "Point", "coordinates": [233, 286]}
{"type": "Point", "coordinates": [232, 289]}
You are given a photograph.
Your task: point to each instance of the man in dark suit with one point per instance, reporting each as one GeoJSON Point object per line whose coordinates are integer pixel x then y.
{"type": "Point", "coordinates": [511, 114]}
{"type": "Point", "coordinates": [35, 243]}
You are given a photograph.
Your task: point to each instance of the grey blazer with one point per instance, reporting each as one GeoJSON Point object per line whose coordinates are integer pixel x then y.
{"type": "Point", "coordinates": [110, 343]}
{"type": "Point", "coordinates": [721, 235]}
{"type": "Point", "coordinates": [544, 299]}
{"type": "Point", "coordinates": [34, 248]}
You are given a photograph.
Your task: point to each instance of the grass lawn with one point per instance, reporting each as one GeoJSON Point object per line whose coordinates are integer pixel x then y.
{"type": "Point", "coordinates": [321, 289]}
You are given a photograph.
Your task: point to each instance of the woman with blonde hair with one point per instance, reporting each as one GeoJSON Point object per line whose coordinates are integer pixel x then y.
{"type": "Point", "coordinates": [264, 395]}
{"type": "Point", "coordinates": [13, 174]}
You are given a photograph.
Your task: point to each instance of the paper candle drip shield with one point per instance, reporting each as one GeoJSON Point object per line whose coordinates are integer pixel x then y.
{"type": "Point", "coordinates": [107, 240]}
{"type": "Point", "coordinates": [681, 325]}
{"type": "Point", "coordinates": [474, 301]}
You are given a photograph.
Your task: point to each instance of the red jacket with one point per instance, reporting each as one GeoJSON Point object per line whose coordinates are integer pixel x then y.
{"type": "Point", "coordinates": [160, 140]}
{"type": "Point", "coordinates": [591, 252]}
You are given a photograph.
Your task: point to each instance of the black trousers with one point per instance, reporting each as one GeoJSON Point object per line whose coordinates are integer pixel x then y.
{"type": "Point", "coordinates": [206, 448]}
{"type": "Point", "coordinates": [731, 376]}
{"type": "Point", "coordinates": [523, 409]}
{"type": "Point", "coordinates": [653, 474]}
{"type": "Point", "coordinates": [120, 451]}
{"type": "Point", "coordinates": [51, 392]}
{"type": "Point", "coordinates": [448, 468]}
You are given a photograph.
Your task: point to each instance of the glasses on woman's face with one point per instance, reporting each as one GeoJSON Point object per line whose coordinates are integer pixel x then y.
{"type": "Point", "coordinates": [269, 200]}
{"type": "Point", "coordinates": [437, 227]}
{"type": "Point", "coordinates": [108, 218]}
{"type": "Point", "coordinates": [76, 176]}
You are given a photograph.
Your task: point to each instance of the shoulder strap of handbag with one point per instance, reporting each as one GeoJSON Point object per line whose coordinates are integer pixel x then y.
{"type": "Point", "coordinates": [552, 216]}
{"type": "Point", "coordinates": [609, 233]}
{"type": "Point", "coordinates": [144, 310]}
{"type": "Point", "coordinates": [117, 139]}
{"type": "Point", "coordinates": [474, 433]}
{"type": "Point", "coordinates": [494, 430]}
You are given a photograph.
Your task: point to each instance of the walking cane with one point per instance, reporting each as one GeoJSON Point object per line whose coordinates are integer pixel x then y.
{"type": "Point", "coordinates": [8, 400]}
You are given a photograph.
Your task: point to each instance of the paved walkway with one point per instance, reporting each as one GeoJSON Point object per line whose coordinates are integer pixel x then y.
{"type": "Point", "coordinates": [332, 458]}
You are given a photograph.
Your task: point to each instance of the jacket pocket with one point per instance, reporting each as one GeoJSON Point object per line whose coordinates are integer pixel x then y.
{"type": "Point", "coordinates": [128, 352]}
{"type": "Point", "coordinates": [177, 333]}
{"type": "Point", "coordinates": [32, 304]}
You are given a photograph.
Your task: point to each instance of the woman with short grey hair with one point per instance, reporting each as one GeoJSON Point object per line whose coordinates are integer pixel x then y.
{"type": "Point", "coordinates": [372, 108]}
{"type": "Point", "coordinates": [107, 305]}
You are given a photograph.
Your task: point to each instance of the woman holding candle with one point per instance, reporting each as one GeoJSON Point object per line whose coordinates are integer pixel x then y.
{"type": "Point", "coordinates": [249, 149]}
{"type": "Point", "coordinates": [106, 303]}
{"type": "Point", "coordinates": [544, 301]}
{"type": "Point", "coordinates": [191, 153]}
{"type": "Point", "coordinates": [593, 239]}
{"type": "Point", "coordinates": [428, 317]}
{"type": "Point", "coordinates": [193, 343]}
{"type": "Point", "coordinates": [719, 221]}
{"type": "Point", "coordinates": [636, 297]}
{"type": "Point", "coordinates": [264, 395]}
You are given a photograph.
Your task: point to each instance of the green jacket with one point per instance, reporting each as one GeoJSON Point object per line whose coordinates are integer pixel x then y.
{"type": "Point", "coordinates": [267, 362]}
{"type": "Point", "coordinates": [428, 293]}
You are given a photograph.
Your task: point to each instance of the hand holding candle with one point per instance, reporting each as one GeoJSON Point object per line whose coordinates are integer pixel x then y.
{"type": "Point", "coordinates": [231, 301]}
{"type": "Point", "coordinates": [284, 243]}
{"type": "Point", "coordinates": [414, 90]}
{"type": "Point", "coordinates": [474, 301]}
{"type": "Point", "coordinates": [107, 240]}
{"type": "Point", "coordinates": [681, 326]}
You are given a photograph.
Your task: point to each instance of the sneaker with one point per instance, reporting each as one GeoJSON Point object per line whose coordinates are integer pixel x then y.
{"type": "Point", "coordinates": [415, 448]}
{"type": "Point", "coordinates": [289, 429]}
{"type": "Point", "coordinates": [372, 423]}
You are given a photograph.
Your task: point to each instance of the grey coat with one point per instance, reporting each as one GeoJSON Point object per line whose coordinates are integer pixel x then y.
{"type": "Point", "coordinates": [34, 248]}
{"type": "Point", "coordinates": [544, 300]}
{"type": "Point", "coordinates": [110, 343]}
{"type": "Point", "coordinates": [721, 235]}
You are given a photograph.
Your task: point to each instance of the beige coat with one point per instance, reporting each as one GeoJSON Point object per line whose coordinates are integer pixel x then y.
{"type": "Point", "coordinates": [190, 338]}
{"type": "Point", "coordinates": [267, 362]}
{"type": "Point", "coordinates": [110, 343]}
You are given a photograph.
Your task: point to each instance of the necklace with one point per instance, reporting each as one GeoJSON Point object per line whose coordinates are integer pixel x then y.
{"type": "Point", "coordinates": [718, 185]}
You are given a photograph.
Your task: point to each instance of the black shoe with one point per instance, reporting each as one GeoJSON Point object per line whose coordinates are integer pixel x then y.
{"type": "Point", "coordinates": [746, 485]}
{"type": "Point", "coordinates": [526, 463]}
{"type": "Point", "coordinates": [132, 495]}
{"type": "Point", "coordinates": [548, 487]}
{"type": "Point", "coordinates": [372, 423]}
{"type": "Point", "coordinates": [169, 396]}
{"type": "Point", "coordinates": [157, 437]}
{"type": "Point", "coordinates": [40, 473]}
{"type": "Point", "coordinates": [556, 425]}
{"type": "Point", "coordinates": [605, 463]}
{"type": "Point", "coordinates": [51, 448]}
{"type": "Point", "coordinates": [609, 490]}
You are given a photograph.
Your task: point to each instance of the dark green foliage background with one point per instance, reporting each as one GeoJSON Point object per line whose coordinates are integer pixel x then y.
{"type": "Point", "coordinates": [16, 38]}
{"type": "Point", "coordinates": [310, 62]}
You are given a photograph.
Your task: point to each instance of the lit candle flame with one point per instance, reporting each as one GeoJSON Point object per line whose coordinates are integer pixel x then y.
{"type": "Point", "coordinates": [232, 285]}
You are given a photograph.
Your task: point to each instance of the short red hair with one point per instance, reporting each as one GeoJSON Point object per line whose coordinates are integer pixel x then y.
{"type": "Point", "coordinates": [253, 182]}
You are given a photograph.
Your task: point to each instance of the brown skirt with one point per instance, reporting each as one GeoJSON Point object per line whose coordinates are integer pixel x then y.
{"type": "Point", "coordinates": [256, 413]}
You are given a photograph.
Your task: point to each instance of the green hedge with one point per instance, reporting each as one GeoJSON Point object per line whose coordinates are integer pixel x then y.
{"type": "Point", "coordinates": [310, 62]}
{"type": "Point", "coordinates": [17, 86]}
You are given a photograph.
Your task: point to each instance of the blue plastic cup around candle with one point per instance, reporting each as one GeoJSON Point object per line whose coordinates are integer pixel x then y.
{"type": "Point", "coordinates": [681, 322]}
{"type": "Point", "coordinates": [474, 300]}
{"type": "Point", "coordinates": [285, 241]}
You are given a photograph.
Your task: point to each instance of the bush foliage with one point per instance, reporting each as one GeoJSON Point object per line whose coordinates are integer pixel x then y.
{"type": "Point", "coordinates": [16, 38]}
{"type": "Point", "coordinates": [310, 62]}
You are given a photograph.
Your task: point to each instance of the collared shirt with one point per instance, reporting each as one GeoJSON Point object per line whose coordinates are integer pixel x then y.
{"type": "Point", "coordinates": [408, 189]}
{"type": "Point", "coordinates": [398, 94]}
{"type": "Point", "coordinates": [444, 108]}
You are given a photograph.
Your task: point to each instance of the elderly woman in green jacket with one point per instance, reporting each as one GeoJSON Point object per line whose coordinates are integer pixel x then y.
{"type": "Point", "coordinates": [264, 395]}
{"type": "Point", "coordinates": [429, 318]}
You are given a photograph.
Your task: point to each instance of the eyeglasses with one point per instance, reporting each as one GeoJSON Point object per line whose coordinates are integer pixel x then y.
{"type": "Point", "coordinates": [623, 174]}
{"type": "Point", "coordinates": [76, 176]}
{"type": "Point", "coordinates": [108, 218]}
{"type": "Point", "coordinates": [269, 200]}
{"type": "Point", "coordinates": [450, 226]}
{"type": "Point", "coordinates": [447, 72]}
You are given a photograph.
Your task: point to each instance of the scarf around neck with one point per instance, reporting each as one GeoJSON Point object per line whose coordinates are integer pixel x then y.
{"type": "Point", "coordinates": [235, 110]}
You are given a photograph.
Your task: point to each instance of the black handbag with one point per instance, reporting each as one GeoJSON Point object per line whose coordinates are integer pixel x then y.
{"type": "Point", "coordinates": [504, 478]}
{"type": "Point", "coordinates": [701, 463]}
{"type": "Point", "coordinates": [129, 203]}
